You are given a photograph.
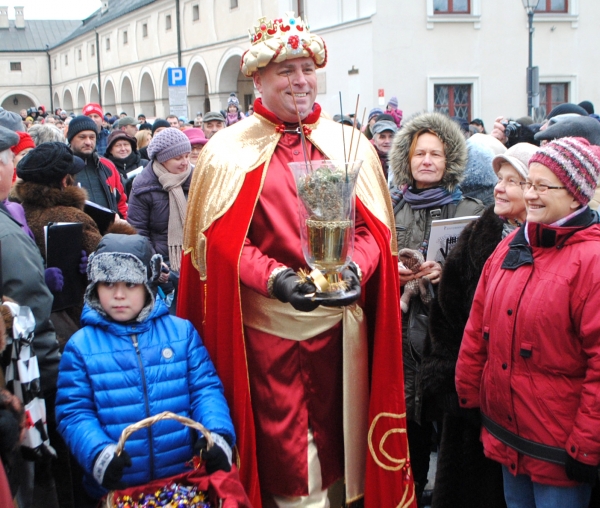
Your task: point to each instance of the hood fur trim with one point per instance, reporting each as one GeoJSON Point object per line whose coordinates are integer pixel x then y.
{"type": "Point", "coordinates": [454, 145]}
{"type": "Point", "coordinates": [121, 267]}
{"type": "Point", "coordinates": [37, 195]}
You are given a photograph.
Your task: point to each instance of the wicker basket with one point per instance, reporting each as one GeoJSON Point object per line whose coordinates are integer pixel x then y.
{"type": "Point", "coordinates": [147, 422]}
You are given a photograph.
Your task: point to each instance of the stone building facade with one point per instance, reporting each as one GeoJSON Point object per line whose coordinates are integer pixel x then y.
{"type": "Point", "coordinates": [464, 57]}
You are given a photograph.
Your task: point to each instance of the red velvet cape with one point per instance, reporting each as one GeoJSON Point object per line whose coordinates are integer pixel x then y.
{"type": "Point", "coordinates": [214, 307]}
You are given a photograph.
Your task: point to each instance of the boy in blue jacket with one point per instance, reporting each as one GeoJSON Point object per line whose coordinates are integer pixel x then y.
{"type": "Point", "coordinates": [132, 360]}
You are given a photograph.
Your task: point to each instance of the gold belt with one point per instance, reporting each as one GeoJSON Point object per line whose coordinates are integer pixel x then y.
{"type": "Point", "coordinates": [282, 320]}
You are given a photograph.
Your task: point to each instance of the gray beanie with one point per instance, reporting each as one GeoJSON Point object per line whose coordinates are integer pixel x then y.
{"type": "Point", "coordinates": [168, 144]}
{"type": "Point", "coordinates": [12, 121]}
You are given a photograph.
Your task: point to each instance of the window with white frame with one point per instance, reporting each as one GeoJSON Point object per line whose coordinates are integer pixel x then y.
{"type": "Point", "coordinates": [125, 37]}
{"type": "Point", "coordinates": [551, 95]}
{"type": "Point", "coordinates": [553, 6]}
{"type": "Point", "coordinates": [451, 6]}
{"type": "Point", "coordinates": [168, 22]}
{"type": "Point", "coordinates": [195, 12]}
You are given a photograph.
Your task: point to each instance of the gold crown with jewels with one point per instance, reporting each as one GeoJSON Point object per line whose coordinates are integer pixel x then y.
{"type": "Point", "coordinates": [282, 39]}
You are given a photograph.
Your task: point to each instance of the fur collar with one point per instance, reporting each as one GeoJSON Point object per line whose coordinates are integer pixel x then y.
{"type": "Point", "coordinates": [454, 144]}
{"type": "Point", "coordinates": [35, 195]}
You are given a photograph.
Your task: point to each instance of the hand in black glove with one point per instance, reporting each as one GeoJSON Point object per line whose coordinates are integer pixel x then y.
{"type": "Point", "coordinates": [114, 472]}
{"type": "Point", "coordinates": [472, 415]}
{"type": "Point", "coordinates": [580, 472]}
{"type": "Point", "coordinates": [216, 458]}
{"type": "Point", "coordinates": [350, 275]}
{"type": "Point", "coordinates": [287, 290]}
{"type": "Point", "coordinates": [10, 430]}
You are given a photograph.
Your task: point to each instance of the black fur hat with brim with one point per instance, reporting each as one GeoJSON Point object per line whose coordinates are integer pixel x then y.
{"type": "Point", "coordinates": [123, 258]}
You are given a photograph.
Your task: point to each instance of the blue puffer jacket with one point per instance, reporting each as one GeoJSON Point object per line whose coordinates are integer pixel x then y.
{"type": "Point", "coordinates": [105, 384]}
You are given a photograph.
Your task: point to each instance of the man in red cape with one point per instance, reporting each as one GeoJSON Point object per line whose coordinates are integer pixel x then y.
{"type": "Point", "coordinates": [316, 392]}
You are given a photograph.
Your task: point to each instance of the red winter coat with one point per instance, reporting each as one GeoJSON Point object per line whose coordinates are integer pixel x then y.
{"type": "Point", "coordinates": [530, 355]}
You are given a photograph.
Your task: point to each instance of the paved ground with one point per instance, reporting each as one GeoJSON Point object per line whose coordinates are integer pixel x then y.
{"type": "Point", "coordinates": [431, 475]}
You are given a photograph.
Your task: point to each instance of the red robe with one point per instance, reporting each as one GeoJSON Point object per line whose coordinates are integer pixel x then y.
{"type": "Point", "coordinates": [240, 246]}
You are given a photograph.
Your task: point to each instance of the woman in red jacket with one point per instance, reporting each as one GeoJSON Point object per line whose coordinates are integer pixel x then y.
{"type": "Point", "coordinates": [530, 355]}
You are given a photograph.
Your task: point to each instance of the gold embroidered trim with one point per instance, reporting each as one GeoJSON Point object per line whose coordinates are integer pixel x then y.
{"type": "Point", "coordinates": [358, 270]}
{"type": "Point", "coordinates": [397, 430]}
{"type": "Point", "coordinates": [271, 279]}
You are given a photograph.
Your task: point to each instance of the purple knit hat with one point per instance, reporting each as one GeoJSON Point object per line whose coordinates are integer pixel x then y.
{"type": "Point", "coordinates": [576, 164]}
{"type": "Point", "coordinates": [168, 144]}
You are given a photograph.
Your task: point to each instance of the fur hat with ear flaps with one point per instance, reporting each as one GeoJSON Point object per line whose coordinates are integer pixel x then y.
{"type": "Point", "coordinates": [123, 258]}
{"type": "Point", "coordinates": [449, 133]}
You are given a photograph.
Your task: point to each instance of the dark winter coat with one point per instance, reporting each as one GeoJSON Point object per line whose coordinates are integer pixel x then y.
{"type": "Point", "coordinates": [149, 209]}
{"type": "Point", "coordinates": [411, 225]}
{"type": "Point", "coordinates": [110, 181]}
{"type": "Point", "coordinates": [23, 281]}
{"type": "Point", "coordinates": [530, 355]}
{"type": "Point", "coordinates": [464, 477]}
{"type": "Point", "coordinates": [44, 204]}
{"type": "Point", "coordinates": [124, 166]}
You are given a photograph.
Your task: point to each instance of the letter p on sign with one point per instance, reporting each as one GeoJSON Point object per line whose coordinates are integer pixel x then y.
{"type": "Point", "coordinates": [177, 76]}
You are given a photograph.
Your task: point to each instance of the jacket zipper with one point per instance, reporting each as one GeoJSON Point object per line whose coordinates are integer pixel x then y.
{"type": "Point", "coordinates": [146, 403]}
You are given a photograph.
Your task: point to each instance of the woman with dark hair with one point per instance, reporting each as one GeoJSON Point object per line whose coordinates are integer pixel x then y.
{"type": "Point", "coordinates": [48, 193]}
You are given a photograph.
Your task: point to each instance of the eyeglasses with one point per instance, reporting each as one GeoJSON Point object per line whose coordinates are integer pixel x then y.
{"type": "Point", "coordinates": [510, 182]}
{"type": "Point", "coordinates": [539, 188]}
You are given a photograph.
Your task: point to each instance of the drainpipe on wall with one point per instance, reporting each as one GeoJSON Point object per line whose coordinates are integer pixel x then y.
{"type": "Point", "coordinates": [177, 20]}
{"type": "Point", "coordinates": [98, 66]}
{"type": "Point", "coordinates": [50, 78]}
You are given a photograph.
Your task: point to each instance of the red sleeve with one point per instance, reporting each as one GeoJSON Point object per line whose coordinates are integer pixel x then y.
{"type": "Point", "coordinates": [366, 251]}
{"type": "Point", "coordinates": [255, 268]}
{"type": "Point", "coordinates": [473, 349]}
{"type": "Point", "coordinates": [114, 182]}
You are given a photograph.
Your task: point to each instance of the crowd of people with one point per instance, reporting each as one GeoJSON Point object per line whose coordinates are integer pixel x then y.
{"type": "Point", "coordinates": [192, 297]}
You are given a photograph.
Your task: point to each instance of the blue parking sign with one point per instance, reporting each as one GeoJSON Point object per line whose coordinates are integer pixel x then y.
{"type": "Point", "coordinates": [177, 76]}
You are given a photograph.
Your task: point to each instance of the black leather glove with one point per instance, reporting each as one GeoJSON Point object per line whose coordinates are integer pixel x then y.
{"type": "Point", "coordinates": [350, 275]}
{"type": "Point", "coordinates": [215, 458]}
{"type": "Point", "coordinates": [114, 472]}
{"type": "Point", "coordinates": [580, 472]}
{"type": "Point", "coordinates": [10, 430]}
{"type": "Point", "coordinates": [287, 290]}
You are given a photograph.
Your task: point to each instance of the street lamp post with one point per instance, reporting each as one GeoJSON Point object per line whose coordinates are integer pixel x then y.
{"type": "Point", "coordinates": [530, 6]}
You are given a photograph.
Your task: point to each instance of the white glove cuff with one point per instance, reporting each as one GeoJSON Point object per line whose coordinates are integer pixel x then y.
{"type": "Point", "coordinates": [103, 461]}
{"type": "Point", "coordinates": [223, 444]}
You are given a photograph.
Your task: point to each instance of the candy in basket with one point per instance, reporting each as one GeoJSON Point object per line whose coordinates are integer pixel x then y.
{"type": "Point", "coordinates": [192, 489]}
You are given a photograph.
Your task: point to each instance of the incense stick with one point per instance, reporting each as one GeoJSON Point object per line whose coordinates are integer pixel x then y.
{"type": "Point", "coordinates": [359, 136]}
{"type": "Point", "coordinates": [300, 126]}
{"type": "Point", "coordinates": [354, 125]}
{"type": "Point", "coordinates": [343, 134]}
